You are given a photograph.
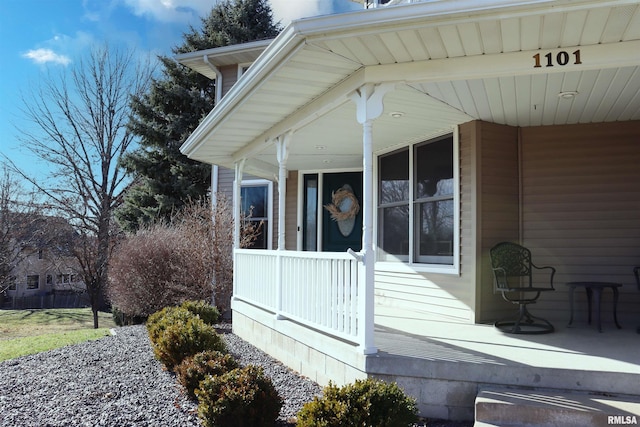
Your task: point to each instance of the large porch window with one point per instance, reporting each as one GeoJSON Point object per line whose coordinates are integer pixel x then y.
{"type": "Point", "coordinates": [417, 203]}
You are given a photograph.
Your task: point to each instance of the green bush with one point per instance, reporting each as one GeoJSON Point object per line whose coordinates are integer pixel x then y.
{"type": "Point", "coordinates": [161, 320]}
{"type": "Point", "coordinates": [370, 403]}
{"type": "Point", "coordinates": [208, 313]}
{"type": "Point", "coordinates": [243, 397]}
{"type": "Point", "coordinates": [195, 369]}
{"type": "Point", "coordinates": [180, 340]}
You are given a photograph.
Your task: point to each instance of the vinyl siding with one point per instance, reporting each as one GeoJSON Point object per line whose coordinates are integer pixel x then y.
{"type": "Point", "coordinates": [581, 211]}
{"type": "Point", "coordinates": [229, 77]}
{"type": "Point", "coordinates": [291, 211]}
{"type": "Point", "coordinates": [497, 200]}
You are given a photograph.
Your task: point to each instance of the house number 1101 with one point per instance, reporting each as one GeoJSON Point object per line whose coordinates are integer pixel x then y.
{"type": "Point", "coordinates": [561, 58]}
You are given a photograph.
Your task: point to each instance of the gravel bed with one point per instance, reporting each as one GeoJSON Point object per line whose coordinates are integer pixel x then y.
{"type": "Point", "coordinates": [116, 381]}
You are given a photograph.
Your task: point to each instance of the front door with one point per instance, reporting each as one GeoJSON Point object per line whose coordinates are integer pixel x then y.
{"type": "Point", "coordinates": [332, 211]}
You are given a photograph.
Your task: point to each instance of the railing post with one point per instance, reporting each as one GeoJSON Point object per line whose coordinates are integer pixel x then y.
{"type": "Point", "coordinates": [278, 307]}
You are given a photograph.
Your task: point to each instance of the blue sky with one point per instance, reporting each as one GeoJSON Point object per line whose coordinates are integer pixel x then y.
{"type": "Point", "coordinates": [41, 35]}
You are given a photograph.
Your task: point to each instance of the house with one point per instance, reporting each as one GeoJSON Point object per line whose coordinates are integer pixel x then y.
{"type": "Point", "coordinates": [44, 273]}
{"type": "Point", "coordinates": [400, 144]}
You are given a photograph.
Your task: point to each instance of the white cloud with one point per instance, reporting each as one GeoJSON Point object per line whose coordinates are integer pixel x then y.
{"type": "Point", "coordinates": [44, 56]}
{"type": "Point", "coordinates": [284, 11]}
{"type": "Point", "coordinates": [170, 10]}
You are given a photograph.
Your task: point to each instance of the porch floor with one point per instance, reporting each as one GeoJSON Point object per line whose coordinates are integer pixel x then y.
{"type": "Point", "coordinates": [457, 360]}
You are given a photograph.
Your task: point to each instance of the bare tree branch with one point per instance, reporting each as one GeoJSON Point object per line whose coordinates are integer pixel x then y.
{"type": "Point", "coordinates": [79, 127]}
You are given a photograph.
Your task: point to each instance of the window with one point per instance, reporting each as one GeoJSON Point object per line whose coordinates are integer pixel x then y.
{"type": "Point", "coordinates": [310, 213]}
{"type": "Point", "coordinates": [417, 204]}
{"type": "Point", "coordinates": [243, 68]}
{"type": "Point", "coordinates": [12, 283]}
{"type": "Point", "coordinates": [33, 281]}
{"type": "Point", "coordinates": [256, 208]}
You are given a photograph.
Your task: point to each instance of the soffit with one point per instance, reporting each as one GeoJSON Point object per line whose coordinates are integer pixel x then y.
{"type": "Point", "coordinates": [322, 61]}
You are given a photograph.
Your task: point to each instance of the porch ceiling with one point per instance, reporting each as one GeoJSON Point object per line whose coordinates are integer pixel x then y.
{"type": "Point", "coordinates": [452, 61]}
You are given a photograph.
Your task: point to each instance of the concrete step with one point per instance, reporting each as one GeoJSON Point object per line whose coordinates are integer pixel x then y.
{"type": "Point", "coordinates": [534, 408]}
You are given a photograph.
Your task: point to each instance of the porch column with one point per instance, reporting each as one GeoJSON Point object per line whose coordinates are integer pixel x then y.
{"type": "Point", "coordinates": [282, 153]}
{"type": "Point", "coordinates": [369, 105]}
{"type": "Point", "coordinates": [282, 147]}
{"type": "Point", "coordinates": [237, 203]}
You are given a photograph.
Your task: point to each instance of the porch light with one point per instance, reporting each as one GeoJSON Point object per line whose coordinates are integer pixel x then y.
{"type": "Point", "coordinates": [569, 94]}
{"type": "Point", "coordinates": [396, 114]}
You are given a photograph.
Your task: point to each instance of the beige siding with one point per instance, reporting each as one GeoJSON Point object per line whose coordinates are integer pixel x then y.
{"type": "Point", "coordinates": [581, 210]}
{"type": "Point", "coordinates": [229, 77]}
{"type": "Point", "coordinates": [497, 207]}
{"type": "Point", "coordinates": [226, 177]}
{"type": "Point", "coordinates": [291, 211]}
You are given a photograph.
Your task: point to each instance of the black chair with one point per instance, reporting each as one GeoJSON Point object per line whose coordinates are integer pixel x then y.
{"type": "Point", "coordinates": [513, 274]}
{"type": "Point", "coordinates": [636, 272]}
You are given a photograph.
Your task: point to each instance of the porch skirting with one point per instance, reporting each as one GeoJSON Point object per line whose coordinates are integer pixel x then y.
{"type": "Point", "coordinates": [308, 352]}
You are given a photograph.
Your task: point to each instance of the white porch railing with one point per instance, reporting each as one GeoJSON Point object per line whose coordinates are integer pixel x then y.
{"type": "Point", "coordinates": [317, 289]}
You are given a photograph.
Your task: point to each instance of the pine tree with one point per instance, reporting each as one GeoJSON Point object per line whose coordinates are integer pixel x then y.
{"type": "Point", "coordinates": [171, 109]}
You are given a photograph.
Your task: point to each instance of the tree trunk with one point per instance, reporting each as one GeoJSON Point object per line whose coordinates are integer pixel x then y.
{"type": "Point", "coordinates": [95, 317]}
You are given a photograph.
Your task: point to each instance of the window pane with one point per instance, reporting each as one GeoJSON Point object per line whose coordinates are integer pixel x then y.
{"type": "Point", "coordinates": [434, 169]}
{"type": "Point", "coordinates": [310, 240]}
{"type": "Point", "coordinates": [394, 230]}
{"type": "Point", "coordinates": [261, 237]}
{"type": "Point", "coordinates": [254, 201]}
{"type": "Point", "coordinates": [435, 230]}
{"type": "Point", "coordinates": [33, 281]}
{"type": "Point", "coordinates": [394, 177]}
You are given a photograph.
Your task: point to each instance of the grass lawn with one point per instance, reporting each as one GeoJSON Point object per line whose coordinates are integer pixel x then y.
{"type": "Point", "coordinates": [24, 332]}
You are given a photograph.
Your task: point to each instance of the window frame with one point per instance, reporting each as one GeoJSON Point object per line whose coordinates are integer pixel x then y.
{"type": "Point", "coordinates": [30, 280]}
{"type": "Point", "coordinates": [395, 264]}
{"type": "Point", "coordinates": [243, 67]}
{"type": "Point", "coordinates": [269, 218]}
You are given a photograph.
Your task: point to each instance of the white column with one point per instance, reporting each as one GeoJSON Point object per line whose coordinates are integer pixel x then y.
{"type": "Point", "coordinates": [282, 153]}
{"type": "Point", "coordinates": [282, 148]}
{"type": "Point", "coordinates": [237, 204]}
{"type": "Point", "coordinates": [369, 105]}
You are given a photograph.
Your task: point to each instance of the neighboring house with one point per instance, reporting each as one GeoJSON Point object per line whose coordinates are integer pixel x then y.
{"type": "Point", "coordinates": [44, 270]}
{"type": "Point", "coordinates": [450, 126]}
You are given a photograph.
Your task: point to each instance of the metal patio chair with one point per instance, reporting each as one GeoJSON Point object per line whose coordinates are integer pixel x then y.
{"type": "Point", "coordinates": [513, 274]}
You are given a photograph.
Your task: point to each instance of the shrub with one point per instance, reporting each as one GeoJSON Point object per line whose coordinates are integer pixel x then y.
{"type": "Point", "coordinates": [195, 369]}
{"type": "Point", "coordinates": [240, 398]}
{"type": "Point", "coordinates": [208, 313]}
{"type": "Point", "coordinates": [146, 272]}
{"type": "Point", "coordinates": [161, 320]}
{"type": "Point", "coordinates": [180, 340]}
{"type": "Point", "coordinates": [365, 403]}
{"type": "Point", "coordinates": [165, 263]}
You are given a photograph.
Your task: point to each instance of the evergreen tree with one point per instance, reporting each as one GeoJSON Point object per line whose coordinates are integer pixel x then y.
{"type": "Point", "coordinates": [171, 109]}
